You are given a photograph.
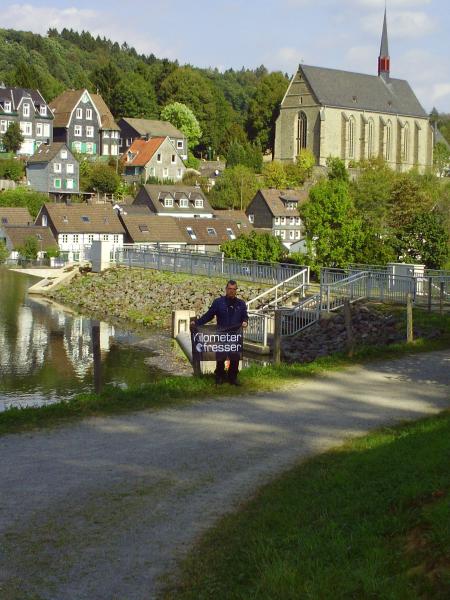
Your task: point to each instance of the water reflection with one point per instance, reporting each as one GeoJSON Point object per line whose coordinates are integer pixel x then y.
{"type": "Point", "coordinates": [47, 353]}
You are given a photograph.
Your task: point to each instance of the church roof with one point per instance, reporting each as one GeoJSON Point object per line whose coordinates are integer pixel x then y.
{"type": "Point", "coordinates": [359, 91]}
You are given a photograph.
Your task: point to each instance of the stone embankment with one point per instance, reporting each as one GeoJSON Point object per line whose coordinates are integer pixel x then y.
{"type": "Point", "coordinates": [145, 296]}
{"type": "Point", "coordinates": [372, 324]}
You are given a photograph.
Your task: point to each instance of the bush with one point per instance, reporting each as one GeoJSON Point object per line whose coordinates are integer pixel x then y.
{"type": "Point", "coordinates": [4, 253]}
{"type": "Point", "coordinates": [24, 197]}
{"type": "Point", "coordinates": [30, 248]}
{"type": "Point", "coordinates": [12, 169]}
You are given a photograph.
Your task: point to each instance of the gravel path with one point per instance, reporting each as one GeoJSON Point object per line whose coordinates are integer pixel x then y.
{"type": "Point", "coordinates": [102, 509]}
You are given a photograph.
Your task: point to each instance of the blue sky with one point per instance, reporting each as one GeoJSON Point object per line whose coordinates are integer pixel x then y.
{"type": "Point", "coordinates": [343, 34]}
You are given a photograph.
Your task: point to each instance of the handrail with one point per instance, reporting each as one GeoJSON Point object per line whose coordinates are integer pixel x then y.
{"type": "Point", "coordinates": [303, 273]}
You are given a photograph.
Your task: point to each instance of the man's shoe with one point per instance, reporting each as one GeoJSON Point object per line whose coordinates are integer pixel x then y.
{"type": "Point", "coordinates": [219, 381]}
{"type": "Point", "coordinates": [236, 383]}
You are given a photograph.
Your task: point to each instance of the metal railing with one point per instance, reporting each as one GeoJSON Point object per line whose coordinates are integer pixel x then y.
{"type": "Point", "coordinates": [281, 292]}
{"type": "Point", "coordinates": [302, 316]}
{"type": "Point", "coordinates": [260, 325]}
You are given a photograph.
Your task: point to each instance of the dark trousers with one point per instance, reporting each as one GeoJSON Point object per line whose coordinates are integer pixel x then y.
{"type": "Point", "coordinates": [233, 370]}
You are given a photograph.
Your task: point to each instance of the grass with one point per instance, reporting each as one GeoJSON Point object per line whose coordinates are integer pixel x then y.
{"type": "Point", "coordinates": [366, 520]}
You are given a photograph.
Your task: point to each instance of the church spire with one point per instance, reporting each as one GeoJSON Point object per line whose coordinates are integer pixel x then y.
{"type": "Point", "coordinates": [383, 59]}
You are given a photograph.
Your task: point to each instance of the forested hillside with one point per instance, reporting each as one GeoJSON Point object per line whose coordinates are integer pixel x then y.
{"type": "Point", "coordinates": [234, 105]}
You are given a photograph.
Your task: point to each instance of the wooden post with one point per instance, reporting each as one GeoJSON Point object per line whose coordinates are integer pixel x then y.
{"type": "Point", "coordinates": [430, 290]}
{"type": "Point", "coordinates": [409, 319]}
{"type": "Point", "coordinates": [348, 326]}
{"type": "Point", "coordinates": [441, 298]}
{"type": "Point", "coordinates": [277, 338]}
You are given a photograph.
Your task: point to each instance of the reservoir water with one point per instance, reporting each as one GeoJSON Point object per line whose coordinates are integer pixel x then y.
{"type": "Point", "coordinates": [47, 352]}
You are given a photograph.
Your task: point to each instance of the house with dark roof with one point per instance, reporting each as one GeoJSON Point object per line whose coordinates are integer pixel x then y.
{"type": "Point", "coordinates": [15, 237]}
{"type": "Point", "coordinates": [354, 116]}
{"type": "Point", "coordinates": [84, 122]}
{"type": "Point", "coordinates": [276, 212]}
{"type": "Point", "coordinates": [174, 201]}
{"type": "Point", "coordinates": [13, 217]}
{"type": "Point", "coordinates": [54, 170]}
{"type": "Point", "coordinates": [30, 110]}
{"type": "Point", "coordinates": [146, 129]}
{"type": "Point", "coordinates": [156, 158]}
{"type": "Point", "coordinates": [76, 226]}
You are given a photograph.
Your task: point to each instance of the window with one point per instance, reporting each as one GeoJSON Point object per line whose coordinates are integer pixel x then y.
{"type": "Point", "coordinates": [230, 233]}
{"type": "Point", "coordinates": [277, 232]}
{"type": "Point", "coordinates": [116, 238]}
{"type": "Point", "coordinates": [191, 233]}
{"type": "Point", "coordinates": [44, 221]}
{"type": "Point", "coordinates": [89, 114]}
{"type": "Point", "coordinates": [351, 137]}
{"type": "Point", "coordinates": [277, 220]}
{"type": "Point", "coordinates": [69, 168]}
{"type": "Point", "coordinates": [89, 131]}
{"type": "Point", "coordinates": [129, 141]}
{"type": "Point", "coordinates": [75, 238]}
{"type": "Point", "coordinates": [106, 134]}
{"type": "Point", "coordinates": [26, 110]}
{"type": "Point", "coordinates": [251, 218]}
{"type": "Point", "coordinates": [105, 149]}
{"type": "Point", "coordinates": [173, 159]}
{"type": "Point", "coordinates": [283, 220]}
{"type": "Point", "coordinates": [26, 127]}
{"type": "Point", "coordinates": [297, 220]}
{"type": "Point", "coordinates": [57, 167]}
{"type": "Point", "coordinates": [64, 155]}
{"type": "Point", "coordinates": [388, 140]}
{"type": "Point", "coordinates": [79, 113]}
{"type": "Point", "coordinates": [282, 234]}
{"type": "Point", "coordinates": [143, 228]}
{"type": "Point", "coordinates": [39, 130]}
{"type": "Point", "coordinates": [198, 203]}
{"type": "Point", "coordinates": [211, 231]}
{"type": "Point", "coordinates": [405, 149]}
{"type": "Point", "coordinates": [90, 238]}
{"type": "Point", "coordinates": [179, 144]}
{"type": "Point", "coordinates": [46, 130]}
{"type": "Point", "coordinates": [65, 219]}
{"type": "Point", "coordinates": [165, 172]}
{"type": "Point", "coordinates": [370, 138]}
{"type": "Point", "coordinates": [302, 128]}
{"type": "Point", "coordinates": [291, 205]}
{"type": "Point", "coordinates": [69, 184]}
{"type": "Point", "coordinates": [291, 220]}
{"type": "Point", "coordinates": [76, 146]}
{"type": "Point", "coordinates": [89, 148]}
{"type": "Point", "coordinates": [184, 203]}
{"type": "Point", "coordinates": [85, 219]}
{"type": "Point", "coordinates": [78, 131]}
{"type": "Point", "coordinates": [64, 238]}
{"type": "Point", "coordinates": [297, 235]}
{"type": "Point", "coordinates": [153, 171]}
{"type": "Point", "coordinates": [4, 220]}
{"type": "Point", "coordinates": [57, 184]}
{"type": "Point", "coordinates": [105, 237]}
{"type": "Point", "coordinates": [179, 174]}
{"type": "Point", "coordinates": [3, 126]}
{"type": "Point", "coordinates": [158, 158]}
{"type": "Point", "coordinates": [85, 98]}
{"type": "Point", "coordinates": [168, 202]}
{"type": "Point", "coordinates": [291, 234]}
{"type": "Point", "coordinates": [43, 110]}
{"type": "Point", "coordinates": [7, 106]}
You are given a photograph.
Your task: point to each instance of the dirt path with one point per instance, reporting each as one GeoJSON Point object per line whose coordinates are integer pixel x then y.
{"type": "Point", "coordinates": [101, 510]}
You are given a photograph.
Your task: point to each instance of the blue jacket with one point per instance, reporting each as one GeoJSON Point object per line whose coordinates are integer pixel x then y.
{"type": "Point", "coordinates": [227, 314]}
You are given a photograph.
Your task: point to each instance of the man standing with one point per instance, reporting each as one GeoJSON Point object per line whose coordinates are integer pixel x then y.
{"type": "Point", "coordinates": [230, 312]}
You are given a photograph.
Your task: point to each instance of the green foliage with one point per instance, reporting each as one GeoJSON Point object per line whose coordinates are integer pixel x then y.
{"type": "Point", "coordinates": [24, 197]}
{"type": "Point", "coordinates": [13, 138]}
{"type": "Point", "coordinates": [423, 240]}
{"type": "Point", "coordinates": [4, 252]}
{"type": "Point", "coordinates": [441, 158]}
{"type": "Point", "coordinates": [102, 178]}
{"type": "Point", "coordinates": [30, 248]}
{"type": "Point", "coordinates": [11, 169]}
{"type": "Point", "coordinates": [192, 162]}
{"type": "Point", "coordinates": [333, 227]}
{"type": "Point", "coordinates": [234, 188]}
{"type": "Point", "coordinates": [184, 119]}
{"type": "Point", "coordinates": [264, 108]}
{"type": "Point", "coordinates": [336, 169]}
{"type": "Point", "coordinates": [244, 153]}
{"type": "Point", "coordinates": [53, 252]}
{"type": "Point", "coordinates": [255, 246]}
{"type": "Point", "coordinates": [134, 97]}
{"type": "Point", "coordinates": [282, 175]}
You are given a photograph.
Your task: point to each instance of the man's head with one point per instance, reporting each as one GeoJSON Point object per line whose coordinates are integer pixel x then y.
{"type": "Point", "coordinates": [231, 289]}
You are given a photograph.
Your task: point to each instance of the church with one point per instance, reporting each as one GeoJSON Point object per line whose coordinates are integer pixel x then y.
{"type": "Point", "coordinates": [354, 116]}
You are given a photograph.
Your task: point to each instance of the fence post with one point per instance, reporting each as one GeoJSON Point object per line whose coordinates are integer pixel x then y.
{"type": "Point", "coordinates": [348, 326]}
{"type": "Point", "coordinates": [409, 319]}
{"type": "Point", "coordinates": [430, 284]}
{"type": "Point", "coordinates": [277, 338]}
{"type": "Point", "coordinates": [441, 297]}
{"type": "Point", "coordinates": [328, 297]}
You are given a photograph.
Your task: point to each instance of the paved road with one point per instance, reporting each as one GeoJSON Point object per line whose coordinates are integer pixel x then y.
{"type": "Point", "coordinates": [102, 509]}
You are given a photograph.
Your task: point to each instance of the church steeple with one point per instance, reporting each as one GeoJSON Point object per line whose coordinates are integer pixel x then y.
{"type": "Point", "coordinates": [384, 60]}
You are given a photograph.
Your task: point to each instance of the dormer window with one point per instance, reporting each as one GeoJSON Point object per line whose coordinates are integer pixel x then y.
{"type": "Point", "coordinates": [291, 205]}
{"type": "Point", "coordinates": [143, 228]}
{"type": "Point", "coordinates": [211, 231]}
{"type": "Point", "coordinates": [43, 110]}
{"type": "Point", "coordinates": [85, 219]}
{"type": "Point", "coordinates": [4, 220]}
{"type": "Point", "coordinates": [230, 233]}
{"type": "Point", "coordinates": [198, 203]}
{"type": "Point", "coordinates": [179, 144]}
{"type": "Point", "coordinates": [7, 107]}
{"type": "Point", "coordinates": [26, 110]}
{"type": "Point", "coordinates": [168, 202]}
{"type": "Point", "coordinates": [65, 219]}
{"type": "Point", "coordinates": [191, 233]}
{"type": "Point", "coordinates": [184, 203]}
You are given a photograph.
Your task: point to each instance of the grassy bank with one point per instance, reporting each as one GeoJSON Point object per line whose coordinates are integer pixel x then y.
{"type": "Point", "coordinates": [369, 519]}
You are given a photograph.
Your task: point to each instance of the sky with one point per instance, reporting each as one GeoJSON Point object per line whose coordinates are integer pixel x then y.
{"type": "Point", "coordinates": [340, 34]}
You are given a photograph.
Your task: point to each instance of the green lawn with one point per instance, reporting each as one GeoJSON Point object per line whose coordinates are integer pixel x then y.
{"type": "Point", "coordinates": [368, 520]}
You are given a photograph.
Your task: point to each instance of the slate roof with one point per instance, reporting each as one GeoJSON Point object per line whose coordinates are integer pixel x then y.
{"type": "Point", "coordinates": [15, 216]}
{"type": "Point", "coordinates": [18, 234]}
{"type": "Point", "coordinates": [156, 193]}
{"type": "Point", "coordinates": [63, 105]}
{"type": "Point", "coordinates": [15, 94]}
{"type": "Point", "coordinates": [359, 91]}
{"type": "Point", "coordinates": [99, 218]}
{"type": "Point", "coordinates": [142, 152]}
{"type": "Point", "coordinates": [46, 153]}
{"type": "Point", "coordinates": [153, 127]}
{"type": "Point", "coordinates": [276, 200]}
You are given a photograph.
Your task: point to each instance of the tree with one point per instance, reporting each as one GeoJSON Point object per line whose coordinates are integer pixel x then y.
{"type": "Point", "coordinates": [274, 175]}
{"type": "Point", "coordinates": [441, 158]}
{"type": "Point", "coordinates": [103, 179]}
{"type": "Point", "coordinates": [244, 153]}
{"type": "Point", "coordinates": [13, 138]}
{"type": "Point", "coordinates": [30, 248]}
{"type": "Point", "coordinates": [333, 228]}
{"type": "Point", "coordinates": [105, 79]}
{"type": "Point", "coordinates": [183, 118]}
{"type": "Point", "coordinates": [336, 169]}
{"type": "Point", "coordinates": [24, 197]}
{"type": "Point", "coordinates": [255, 246]}
{"type": "Point", "coordinates": [134, 97]}
{"type": "Point", "coordinates": [234, 188]}
{"type": "Point", "coordinates": [423, 240]}
{"type": "Point", "coordinates": [4, 252]}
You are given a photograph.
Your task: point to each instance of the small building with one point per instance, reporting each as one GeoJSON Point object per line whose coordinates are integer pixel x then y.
{"type": "Point", "coordinates": [15, 237]}
{"type": "Point", "coordinates": [146, 129]}
{"type": "Point", "coordinates": [84, 122]}
{"type": "Point", "coordinates": [53, 169]}
{"type": "Point", "coordinates": [76, 226]}
{"type": "Point", "coordinates": [30, 110]}
{"type": "Point", "coordinates": [156, 158]}
{"type": "Point", "coordinates": [174, 201]}
{"type": "Point", "coordinates": [276, 211]}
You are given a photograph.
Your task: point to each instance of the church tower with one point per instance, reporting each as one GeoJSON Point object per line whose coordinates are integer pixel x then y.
{"type": "Point", "coordinates": [384, 60]}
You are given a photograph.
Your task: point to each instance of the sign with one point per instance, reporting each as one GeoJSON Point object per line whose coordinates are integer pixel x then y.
{"type": "Point", "coordinates": [213, 343]}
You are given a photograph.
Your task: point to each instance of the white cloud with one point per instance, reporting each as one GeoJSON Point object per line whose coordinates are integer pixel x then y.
{"type": "Point", "coordinates": [401, 24]}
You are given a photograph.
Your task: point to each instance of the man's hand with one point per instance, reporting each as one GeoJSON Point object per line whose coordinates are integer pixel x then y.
{"type": "Point", "coordinates": [192, 325]}
{"type": "Point", "coordinates": [245, 324]}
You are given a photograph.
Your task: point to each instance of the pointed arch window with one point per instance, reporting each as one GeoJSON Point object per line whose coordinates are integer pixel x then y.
{"type": "Point", "coordinates": [302, 128]}
{"type": "Point", "coordinates": [405, 149]}
{"type": "Point", "coordinates": [388, 142]}
{"type": "Point", "coordinates": [351, 137]}
{"type": "Point", "coordinates": [370, 138]}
